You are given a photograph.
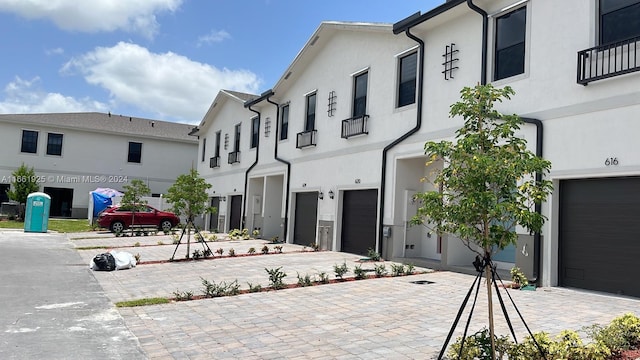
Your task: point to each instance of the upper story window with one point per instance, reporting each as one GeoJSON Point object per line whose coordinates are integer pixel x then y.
{"type": "Point", "coordinates": [284, 122]}
{"type": "Point", "coordinates": [310, 121]}
{"type": "Point", "coordinates": [204, 148]}
{"type": "Point", "coordinates": [407, 74]}
{"type": "Point", "coordinates": [54, 144]}
{"type": "Point", "coordinates": [360, 82]}
{"type": "Point", "coordinates": [29, 142]}
{"type": "Point", "coordinates": [236, 143]}
{"type": "Point", "coordinates": [216, 152]}
{"type": "Point", "coordinates": [135, 152]}
{"type": "Point", "coordinates": [255, 131]}
{"type": "Point", "coordinates": [619, 20]}
{"type": "Point", "coordinates": [510, 34]}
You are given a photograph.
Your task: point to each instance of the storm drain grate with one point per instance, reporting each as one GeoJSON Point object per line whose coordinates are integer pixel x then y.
{"type": "Point", "coordinates": [422, 282]}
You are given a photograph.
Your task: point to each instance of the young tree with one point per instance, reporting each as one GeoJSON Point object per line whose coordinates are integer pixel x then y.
{"type": "Point", "coordinates": [487, 182]}
{"type": "Point", "coordinates": [189, 198]}
{"type": "Point", "coordinates": [24, 182]}
{"type": "Point", "coordinates": [132, 198]}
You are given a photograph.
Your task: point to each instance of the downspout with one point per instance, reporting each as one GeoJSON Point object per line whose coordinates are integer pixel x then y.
{"type": "Point", "coordinates": [383, 180]}
{"type": "Point", "coordinates": [485, 36]}
{"type": "Point", "coordinates": [246, 173]}
{"type": "Point", "coordinates": [275, 156]}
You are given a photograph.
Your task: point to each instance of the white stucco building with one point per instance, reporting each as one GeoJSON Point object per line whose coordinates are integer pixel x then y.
{"type": "Point", "coordinates": [334, 151]}
{"type": "Point", "coordinates": [75, 153]}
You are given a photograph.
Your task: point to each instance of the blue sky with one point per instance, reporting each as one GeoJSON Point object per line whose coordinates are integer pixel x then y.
{"type": "Point", "coordinates": [159, 59]}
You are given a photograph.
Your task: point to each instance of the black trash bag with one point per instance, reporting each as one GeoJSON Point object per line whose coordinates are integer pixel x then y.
{"type": "Point", "coordinates": [104, 262]}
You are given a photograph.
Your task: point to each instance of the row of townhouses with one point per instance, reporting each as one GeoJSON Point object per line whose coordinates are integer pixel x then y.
{"type": "Point", "coordinates": [333, 153]}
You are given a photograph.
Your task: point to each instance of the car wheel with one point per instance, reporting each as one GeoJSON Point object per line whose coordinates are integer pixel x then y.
{"type": "Point", "coordinates": [166, 225]}
{"type": "Point", "coordinates": [117, 227]}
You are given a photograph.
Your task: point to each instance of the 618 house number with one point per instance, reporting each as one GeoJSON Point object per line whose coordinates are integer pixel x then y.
{"type": "Point", "coordinates": [611, 161]}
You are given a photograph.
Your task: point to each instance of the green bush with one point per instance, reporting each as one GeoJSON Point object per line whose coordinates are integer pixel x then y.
{"type": "Point", "coordinates": [622, 333]}
{"type": "Point", "coordinates": [340, 270]}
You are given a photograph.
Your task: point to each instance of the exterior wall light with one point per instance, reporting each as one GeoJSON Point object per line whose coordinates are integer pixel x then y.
{"type": "Point", "coordinates": [320, 195]}
{"type": "Point", "coordinates": [331, 194]}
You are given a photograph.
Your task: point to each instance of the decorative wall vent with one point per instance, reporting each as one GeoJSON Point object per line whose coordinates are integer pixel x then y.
{"type": "Point", "coordinates": [226, 141]}
{"type": "Point", "coordinates": [331, 105]}
{"type": "Point", "coordinates": [450, 59]}
{"type": "Point", "coordinates": [267, 127]}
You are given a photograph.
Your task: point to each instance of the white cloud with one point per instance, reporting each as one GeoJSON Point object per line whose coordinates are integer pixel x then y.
{"type": "Point", "coordinates": [168, 84]}
{"type": "Point", "coordinates": [94, 15]}
{"type": "Point", "coordinates": [56, 51]}
{"type": "Point", "coordinates": [213, 37]}
{"type": "Point", "coordinates": [25, 96]}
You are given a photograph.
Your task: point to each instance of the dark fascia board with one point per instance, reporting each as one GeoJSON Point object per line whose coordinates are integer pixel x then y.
{"type": "Point", "coordinates": [415, 19]}
{"type": "Point", "coordinates": [260, 98]}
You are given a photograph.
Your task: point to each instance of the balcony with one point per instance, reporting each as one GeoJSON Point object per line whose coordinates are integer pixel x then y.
{"type": "Point", "coordinates": [306, 139]}
{"type": "Point", "coordinates": [354, 126]}
{"type": "Point", "coordinates": [605, 61]}
{"type": "Point", "coordinates": [214, 162]}
{"type": "Point", "coordinates": [234, 157]}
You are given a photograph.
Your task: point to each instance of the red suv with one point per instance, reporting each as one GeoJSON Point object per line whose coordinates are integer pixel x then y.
{"type": "Point", "coordinates": [117, 219]}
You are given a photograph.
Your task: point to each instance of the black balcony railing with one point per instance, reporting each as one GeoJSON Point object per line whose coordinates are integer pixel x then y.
{"type": "Point", "coordinates": [306, 138]}
{"type": "Point", "coordinates": [355, 126]}
{"type": "Point", "coordinates": [234, 157]}
{"type": "Point", "coordinates": [214, 162]}
{"type": "Point", "coordinates": [605, 61]}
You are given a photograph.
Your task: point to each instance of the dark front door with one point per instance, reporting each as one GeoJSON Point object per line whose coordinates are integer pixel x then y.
{"type": "Point", "coordinates": [61, 201]}
{"type": "Point", "coordinates": [306, 217]}
{"type": "Point", "coordinates": [359, 213]}
{"type": "Point", "coordinates": [213, 216]}
{"type": "Point", "coordinates": [236, 212]}
{"type": "Point", "coordinates": [599, 226]}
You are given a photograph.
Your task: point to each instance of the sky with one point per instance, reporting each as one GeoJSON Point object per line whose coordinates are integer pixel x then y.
{"type": "Point", "coordinates": [160, 59]}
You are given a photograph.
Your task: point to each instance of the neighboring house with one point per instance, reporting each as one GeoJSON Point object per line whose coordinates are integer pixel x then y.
{"type": "Point", "coordinates": [333, 153]}
{"type": "Point", "coordinates": [75, 153]}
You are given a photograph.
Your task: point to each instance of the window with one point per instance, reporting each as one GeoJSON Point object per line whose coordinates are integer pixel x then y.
{"type": "Point", "coordinates": [407, 79]}
{"type": "Point", "coordinates": [255, 131]}
{"type": "Point", "coordinates": [204, 148]}
{"type": "Point", "coordinates": [360, 95]}
{"type": "Point", "coordinates": [236, 144]}
{"type": "Point", "coordinates": [217, 149]}
{"type": "Point", "coordinates": [135, 152]}
{"type": "Point", "coordinates": [509, 53]}
{"type": "Point", "coordinates": [29, 142]}
{"type": "Point", "coordinates": [284, 122]}
{"type": "Point", "coordinates": [310, 121]}
{"type": "Point", "coordinates": [619, 20]}
{"type": "Point", "coordinates": [54, 144]}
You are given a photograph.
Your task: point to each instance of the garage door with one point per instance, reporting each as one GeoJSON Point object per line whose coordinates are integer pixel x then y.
{"type": "Point", "coordinates": [600, 234]}
{"type": "Point", "coordinates": [306, 217]}
{"type": "Point", "coordinates": [359, 213]}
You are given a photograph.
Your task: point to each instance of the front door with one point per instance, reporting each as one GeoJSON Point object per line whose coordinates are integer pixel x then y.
{"type": "Point", "coordinates": [306, 217]}
{"type": "Point", "coordinates": [236, 212]}
{"type": "Point", "coordinates": [213, 216]}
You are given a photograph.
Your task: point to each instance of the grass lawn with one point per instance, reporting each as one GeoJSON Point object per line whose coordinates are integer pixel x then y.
{"type": "Point", "coordinates": [59, 225]}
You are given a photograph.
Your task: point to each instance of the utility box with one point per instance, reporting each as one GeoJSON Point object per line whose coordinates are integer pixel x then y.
{"type": "Point", "coordinates": [36, 218]}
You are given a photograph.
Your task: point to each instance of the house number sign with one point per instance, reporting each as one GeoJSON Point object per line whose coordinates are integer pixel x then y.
{"type": "Point", "coordinates": [611, 161]}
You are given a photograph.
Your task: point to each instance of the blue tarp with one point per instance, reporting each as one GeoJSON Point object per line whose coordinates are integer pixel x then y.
{"type": "Point", "coordinates": [102, 199]}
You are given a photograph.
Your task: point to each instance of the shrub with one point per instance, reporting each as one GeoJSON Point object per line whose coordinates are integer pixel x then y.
{"type": "Point", "coordinates": [265, 250]}
{"type": "Point", "coordinates": [380, 270]}
{"type": "Point", "coordinates": [278, 249]}
{"type": "Point", "coordinates": [397, 269]}
{"type": "Point", "coordinates": [220, 251]}
{"type": "Point", "coordinates": [518, 278]}
{"type": "Point", "coordinates": [304, 280]}
{"type": "Point", "coordinates": [251, 251]}
{"type": "Point", "coordinates": [340, 270]}
{"type": "Point", "coordinates": [359, 272]}
{"type": "Point", "coordinates": [275, 277]}
{"type": "Point", "coordinates": [207, 252]}
{"type": "Point", "coordinates": [254, 288]}
{"type": "Point", "coordinates": [211, 289]}
{"type": "Point", "coordinates": [137, 257]}
{"type": "Point", "coordinates": [323, 278]}
{"type": "Point", "coordinates": [314, 246]}
{"type": "Point", "coordinates": [478, 346]}
{"type": "Point", "coordinates": [373, 255]}
{"type": "Point", "coordinates": [183, 296]}
{"type": "Point", "coordinates": [232, 252]}
{"type": "Point", "coordinates": [409, 269]}
{"type": "Point", "coordinates": [197, 254]}
{"type": "Point", "coordinates": [622, 333]}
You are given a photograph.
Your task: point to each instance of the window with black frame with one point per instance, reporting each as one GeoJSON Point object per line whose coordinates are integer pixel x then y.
{"type": "Point", "coordinates": [217, 148]}
{"type": "Point", "coordinates": [510, 35]}
{"type": "Point", "coordinates": [360, 94]}
{"type": "Point", "coordinates": [29, 142]}
{"type": "Point", "coordinates": [407, 79]}
{"type": "Point", "coordinates": [255, 131]}
{"type": "Point", "coordinates": [236, 145]}
{"type": "Point", "coordinates": [135, 152]}
{"type": "Point", "coordinates": [54, 144]}
{"type": "Point", "coordinates": [284, 122]}
{"type": "Point", "coordinates": [310, 121]}
{"type": "Point", "coordinates": [619, 20]}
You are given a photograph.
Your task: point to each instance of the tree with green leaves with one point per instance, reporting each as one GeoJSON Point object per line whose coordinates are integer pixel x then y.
{"type": "Point", "coordinates": [132, 198]}
{"type": "Point", "coordinates": [23, 183]}
{"type": "Point", "coordinates": [487, 185]}
{"type": "Point", "coordinates": [189, 198]}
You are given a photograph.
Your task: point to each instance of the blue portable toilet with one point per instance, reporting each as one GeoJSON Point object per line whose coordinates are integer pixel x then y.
{"type": "Point", "coordinates": [36, 218]}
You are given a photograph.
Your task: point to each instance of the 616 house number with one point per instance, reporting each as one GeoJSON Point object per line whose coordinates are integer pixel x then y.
{"type": "Point", "coordinates": [611, 161]}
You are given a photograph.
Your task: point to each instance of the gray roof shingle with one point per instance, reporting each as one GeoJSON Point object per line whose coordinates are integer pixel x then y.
{"type": "Point", "coordinates": [106, 123]}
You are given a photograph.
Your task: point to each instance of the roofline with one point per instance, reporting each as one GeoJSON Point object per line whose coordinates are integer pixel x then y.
{"type": "Point", "coordinates": [262, 97]}
{"type": "Point", "coordinates": [417, 18]}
